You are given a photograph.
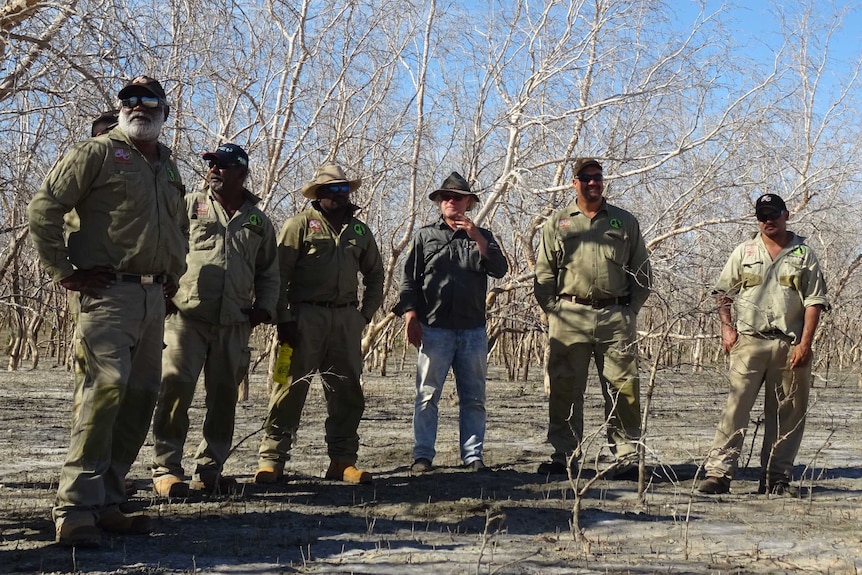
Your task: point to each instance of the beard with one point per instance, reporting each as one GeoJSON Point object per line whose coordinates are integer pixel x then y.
{"type": "Point", "coordinates": [142, 126]}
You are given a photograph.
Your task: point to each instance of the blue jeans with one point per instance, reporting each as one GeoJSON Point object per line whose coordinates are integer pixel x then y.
{"type": "Point", "coordinates": [466, 352]}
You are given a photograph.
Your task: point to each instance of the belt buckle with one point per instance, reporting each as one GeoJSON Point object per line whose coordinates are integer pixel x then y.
{"type": "Point", "coordinates": [147, 279]}
{"type": "Point", "coordinates": [596, 304]}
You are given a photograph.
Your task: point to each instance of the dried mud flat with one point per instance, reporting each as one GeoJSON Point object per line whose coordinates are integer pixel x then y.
{"type": "Point", "coordinates": [453, 521]}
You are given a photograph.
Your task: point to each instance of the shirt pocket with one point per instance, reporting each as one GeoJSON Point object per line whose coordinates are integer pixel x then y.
{"type": "Point", "coordinates": [614, 246]}
{"type": "Point", "coordinates": [752, 274]}
{"type": "Point", "coordinates": [203, 235]}
{"type": "Point", "coordinates": [791, 275]}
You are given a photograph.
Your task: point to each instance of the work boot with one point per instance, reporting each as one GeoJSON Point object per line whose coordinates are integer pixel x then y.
{"type": "Point", "coordinates": [714, 485]}
{"type": "Point", "coordinates": [421, 465]}
{"type": "Point", "coordinates": [347, 472]}
{"type": "Point", "coordinates": [478, 466]}
{"type": "Point", "coordinates": [267, 475]}
{"type": "Point", "coordinates": [214, 483]}
{"type": "Point", "coordinates": [779, 486]}
{"type": "Point", "coordinates": [556, 468]}
{"type": "Point", "coordinates": [115, 521]}
{"type": "Point", "coordinates": [170, 486]}
{"type": "Point", "coordinates": [77, 532]}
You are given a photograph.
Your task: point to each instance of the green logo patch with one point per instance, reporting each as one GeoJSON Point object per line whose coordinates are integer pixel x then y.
{"type": "Point", "coordinates": [359, 229]}
{"type": "Point", "coordinates": [255, 220]}
{"type": "Point", "coordinates": [616, 223]}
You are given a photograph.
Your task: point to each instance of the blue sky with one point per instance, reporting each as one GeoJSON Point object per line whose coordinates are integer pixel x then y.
{"type": "Point", "coordinates": [758, 26]}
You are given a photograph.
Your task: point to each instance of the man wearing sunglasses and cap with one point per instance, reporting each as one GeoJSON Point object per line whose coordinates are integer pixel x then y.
{"type": "Point", "coordinates": [322, 251]}
{"type": "Point", "coordinates": [122, 262]}
{"type": "Point", "coordinates": [442, 296]}
{"type": "Point", "coordinates": [593, 275]}
{"type": "Point", "coordinates": [775, 285]}
{"type": "Point", "coordinates": [230, 287]}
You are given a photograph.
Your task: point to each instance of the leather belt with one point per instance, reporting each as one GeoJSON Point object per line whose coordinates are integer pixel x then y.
{"type": "Point", "coordinates": [597, 303]}
{"type": "Point", "coordinates": [143, 279]}
{"type": "Point", "coordinates": [332, 305]}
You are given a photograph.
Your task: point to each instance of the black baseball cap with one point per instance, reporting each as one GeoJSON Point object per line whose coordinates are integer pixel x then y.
{"type": "Point", "coordinates": [229, 155]}
{"type": "Point", "coordinates": [582, 163]}
{"type": "Point", "coordinates": [143, 84]}
{"type": "Point", "coordinates": [769, 203]}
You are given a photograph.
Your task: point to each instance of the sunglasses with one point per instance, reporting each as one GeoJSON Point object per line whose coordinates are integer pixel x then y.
{"type": "Point", "coordinates": [587, 178]}
{"type": "Point", "coordinates": [333, 189]}
{"type": "Point", "coordinates": [145, 101]}
{"type": "Point", "coordinates": [768, 215]}
{"type": "Point", "coordinates": [215, 164]}
{"type": "Point", "coordinates": [451, 197]}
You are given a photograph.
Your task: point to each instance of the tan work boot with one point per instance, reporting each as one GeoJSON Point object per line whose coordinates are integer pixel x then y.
{"type": "Point", "coordinates": [268, 475]}
{"type": "Point", "coordinates": [77, 532]}
{"type": "Point", "coordinates": [347, 472]}
{"type": "Point", "coordinates": [170, 486]}
{"type": "Point", "coordinates": [115, 521]}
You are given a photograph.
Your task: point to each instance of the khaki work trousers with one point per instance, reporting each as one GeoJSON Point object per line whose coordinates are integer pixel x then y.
{"type": "Point", "coordinates": [222, 353]}
{"type": "Point", "coordinates": [578, 333]}
{"type": "Point", "coordinates": [329, 343]}
{"type": "Point", "coordinates": [118, 340]}
{"type": "Point", "coordinates": [753, 363]}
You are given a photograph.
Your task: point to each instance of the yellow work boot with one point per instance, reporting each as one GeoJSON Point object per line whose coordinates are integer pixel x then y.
{"type": "Point", "coordinates": [115, 521]}
{"type": "Point", "coordinates": [267, 474]}
{"type": "Point", "coordinates": [170, 486]}
{"type": "Point", "coordinates": [347, 472]}
{"type": "Point", "coordinates": [77, 532]}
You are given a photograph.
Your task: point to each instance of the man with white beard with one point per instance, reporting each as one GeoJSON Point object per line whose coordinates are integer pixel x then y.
{"type": "Point", "coordinates": [121, 263]}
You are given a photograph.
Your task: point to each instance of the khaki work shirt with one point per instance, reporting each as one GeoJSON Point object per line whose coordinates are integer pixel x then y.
{"type": "Point", "coordinates": [599, 258]}
{"type": "Point", "coordinates": [232, 261]}
{"type": "Point", "coordinates": [131, 213]}
{"type": "Point", "coordinates": [771, 295]}
{"type": "Point", "coordinates": [320, 264]}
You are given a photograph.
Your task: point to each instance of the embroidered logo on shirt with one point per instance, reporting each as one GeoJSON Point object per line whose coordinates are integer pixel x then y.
{"type": "Point", "coordinates": [749, 249]}
{"type": "Point", "coordinates": [799, 251]}
{"type": "Point", "coordinates": [616, 223]}
{"type": "Point", "coordinates": [315, 225]}
{"type": "Point", "coordinates": [255, 220]}
{"type": "Point", "coordinates": [122, 156]}
{"type": "Point", "coordinates": [359, 229]}
{"type": "Point", "coordinates": [564, 223]}
{"type": "Point", "coordinates": [172, 177]}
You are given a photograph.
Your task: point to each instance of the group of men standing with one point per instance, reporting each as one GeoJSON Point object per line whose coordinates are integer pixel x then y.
{"type": "Point", "coordinates": [148, 266]}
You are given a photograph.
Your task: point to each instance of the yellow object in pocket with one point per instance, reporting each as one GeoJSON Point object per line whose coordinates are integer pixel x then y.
{"type": "Point", "coordinates": [281, 373]}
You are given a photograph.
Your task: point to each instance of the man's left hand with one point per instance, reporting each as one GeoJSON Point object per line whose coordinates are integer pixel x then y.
{"type": "Point", "coordinates": [256, 316]}
{"type": "Point", "coordinates": [802, 355]}
{"type": "Point", "coordinates": [169, 288]}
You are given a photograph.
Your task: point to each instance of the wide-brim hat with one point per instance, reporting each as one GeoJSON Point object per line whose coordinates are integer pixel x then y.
{"type": "Point", "coordinates": [456, 184]}
{"type": "Point", "coordinates": [325, 175]}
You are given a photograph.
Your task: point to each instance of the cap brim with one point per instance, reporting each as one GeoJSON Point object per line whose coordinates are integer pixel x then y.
{"type": "Point", "coordinates": [136, 89]}
{"type": "Point", "coordinates": [433, 194]}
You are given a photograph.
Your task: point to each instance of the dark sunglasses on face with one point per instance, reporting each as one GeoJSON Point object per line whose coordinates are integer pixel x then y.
{"type": "Point", "coordinates": [220, 165]}
{"type": "Point", "coordinates": [451, 197]}
{"type": "Point", "coordinates": [145, 101]}
{"type": "Point", "coordinates": [769, 215]}
{"type": "Point", "coordinates": [587, 178]}
{"type": "Point", "coordinates": [333, 189]}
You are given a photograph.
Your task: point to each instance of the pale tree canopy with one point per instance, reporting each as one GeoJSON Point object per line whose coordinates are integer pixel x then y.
{"type": "Point", "coordinates": [690, 122]}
